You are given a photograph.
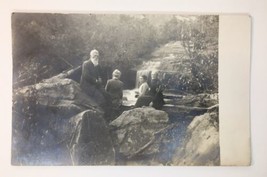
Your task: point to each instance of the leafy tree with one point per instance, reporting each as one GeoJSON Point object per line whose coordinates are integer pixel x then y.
{"type": "Point", "coordinates": [47, 44]}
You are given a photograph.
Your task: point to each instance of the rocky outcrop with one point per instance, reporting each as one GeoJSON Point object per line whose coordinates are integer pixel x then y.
{"type": "Point", "coordinates": [52, 120]}
{"type": "Point", "coordinates": [145, 136]}
{"type": "Point", "coordinates": [137, 132]}
{"type": "Point", "coordinates": [201, 144]}
{"type": "Point", "coordinates": [55, 123]}
{"type": "Point", "coordinates": [61, 95]}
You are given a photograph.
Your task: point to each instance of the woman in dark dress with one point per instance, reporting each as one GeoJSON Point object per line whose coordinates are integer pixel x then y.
{"type": "Point", "coordinates": [156, 89]}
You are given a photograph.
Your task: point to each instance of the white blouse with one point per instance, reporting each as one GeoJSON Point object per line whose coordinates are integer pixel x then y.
{"type": "Point", "coordinates": [143, 89]}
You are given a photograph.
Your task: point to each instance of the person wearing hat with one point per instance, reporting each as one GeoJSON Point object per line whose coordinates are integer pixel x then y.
{"type": "Point", "coordinates": [115, 89]}
{"type": "Point", "coordinates": [91, 79]}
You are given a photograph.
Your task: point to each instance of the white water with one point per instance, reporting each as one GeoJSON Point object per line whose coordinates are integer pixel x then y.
{"type": "Point", "coordinates": [163, 59]}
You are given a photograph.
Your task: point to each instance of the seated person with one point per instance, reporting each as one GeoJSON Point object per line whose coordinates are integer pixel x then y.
{"type": "Point", "coordinates": [144, 99]}
{"type": "Point", "coordinates": [91, 80]}
{"type": "Point", "coordinates": [115, 87]}
{"type": "Point", "coordinates": [156, 90]}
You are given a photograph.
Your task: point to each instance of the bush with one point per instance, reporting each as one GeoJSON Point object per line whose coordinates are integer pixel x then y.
{"type": "Point", "coordinates": [47, 44]}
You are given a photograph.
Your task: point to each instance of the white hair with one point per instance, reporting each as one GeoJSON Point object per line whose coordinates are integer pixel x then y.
{"type": "Point", "coordinates": [94, 52]}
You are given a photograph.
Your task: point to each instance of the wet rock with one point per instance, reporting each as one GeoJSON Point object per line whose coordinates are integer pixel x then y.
{"type": "Point", "coordinates": [201, 144]}
{"type": "Point", "coordinates": [91, 143]}
{"type": "Point", "coordinates": [137, 131]}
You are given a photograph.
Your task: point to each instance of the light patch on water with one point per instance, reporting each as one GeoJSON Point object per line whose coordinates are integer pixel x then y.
{"type": "Point", "coordinates": [129, 98]}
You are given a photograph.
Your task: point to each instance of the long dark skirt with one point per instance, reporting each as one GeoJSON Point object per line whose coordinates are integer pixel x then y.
{"type": "Point", "coordinates": [143, 101]}
{"type": "Point", "coordinates": [158, 101]}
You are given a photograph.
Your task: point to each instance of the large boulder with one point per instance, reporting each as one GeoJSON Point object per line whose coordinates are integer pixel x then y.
{"type": "Point", "coordinates": [201, 144]}
{"type": "Point", "coordinates": [43, 125]}
{"type": "Point", "coordinates": [137, 132]}
{"type": "Point", "coordinates": [91, 143]}
{"type": "Point", "coordinates": [61, 95]}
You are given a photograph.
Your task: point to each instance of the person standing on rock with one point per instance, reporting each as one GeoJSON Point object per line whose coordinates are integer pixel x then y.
{"type": "Point", "coordinates": [91, 80]}
{"type": "Point", "coordinates": [115, 89]}
{"type": "Point", "coordinates": [143, 95]}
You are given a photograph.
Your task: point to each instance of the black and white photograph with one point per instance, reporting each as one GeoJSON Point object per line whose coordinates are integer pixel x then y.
{"type": "Point", "coordinates": [115, 89]}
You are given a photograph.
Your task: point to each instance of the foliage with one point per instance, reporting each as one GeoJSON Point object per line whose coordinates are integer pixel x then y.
{"type": "Point", "coordinates": [47, 44]}
{"type": "Point", "coordinates": [199, 37]}
{"type": "Point", "coordinates": [196, 76]}
{"type": "Point", "coordinates": [171, 30]}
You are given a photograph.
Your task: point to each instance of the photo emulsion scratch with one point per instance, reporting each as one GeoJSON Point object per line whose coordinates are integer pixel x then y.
{"type": "Point", "coordinates": [115, 89]}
